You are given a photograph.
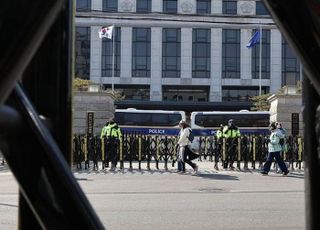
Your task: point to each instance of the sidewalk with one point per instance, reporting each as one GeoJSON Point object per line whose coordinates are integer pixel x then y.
{"type": "Point", "coordinates": [205, 167]}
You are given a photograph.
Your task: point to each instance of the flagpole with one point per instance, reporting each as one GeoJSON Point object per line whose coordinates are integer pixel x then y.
{"type": "Point", "coordinates": [260, 59]}
{"type": "Point", "coordinates": [112, 79]}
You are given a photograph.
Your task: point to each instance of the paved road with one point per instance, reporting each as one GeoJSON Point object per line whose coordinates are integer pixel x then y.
{"type": "Point", "coordinates": [163, 200]}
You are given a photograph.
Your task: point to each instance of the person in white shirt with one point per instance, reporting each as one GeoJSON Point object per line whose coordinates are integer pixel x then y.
{"type": "Point", "coordinates": [185, 155]}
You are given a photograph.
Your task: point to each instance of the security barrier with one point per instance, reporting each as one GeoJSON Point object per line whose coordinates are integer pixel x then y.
{"type": "Point", "coordinates": [248, 151]}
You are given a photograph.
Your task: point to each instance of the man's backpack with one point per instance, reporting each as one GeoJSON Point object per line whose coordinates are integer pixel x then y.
{"type": "Point", "coordinates": [191, 135]}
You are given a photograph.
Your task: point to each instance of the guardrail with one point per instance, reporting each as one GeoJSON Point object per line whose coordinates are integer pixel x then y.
{"type": "Point", "coordinates": [250, 150]}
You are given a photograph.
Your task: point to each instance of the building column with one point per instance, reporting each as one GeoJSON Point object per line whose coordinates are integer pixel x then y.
{"type": "Point", "coordinates": [126, 52]}
{"type": "Point", "coordinates": [96, 5]}
{"type": "Point", "coordinates": [156, 6]}
{"type": "Point", "coordinates": [156, 64]}
{"type": "Point", "coordinates": [216, 65]}
{"type": "Point", "coordinates": [95, 55]}
{"type": "Point", "coordinates": [216, 6]}
{"type": "Point", "coordinates": [246, 54]}
{"type": "Point", "coordinates": [276, 60]}
{"type": "Point", "coordinates": [186, 53]}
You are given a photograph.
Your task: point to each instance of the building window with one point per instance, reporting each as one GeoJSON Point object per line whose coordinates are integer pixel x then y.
{"type": "Point", "coordinates": [229, 7]}
{"type": "Point", "coordinates": [106, 60]}
{"type": "Point", "coordinates": [231, 53]}
{"type": "Point", "coordinates": [238, 93]}
{"type": "Point", "coordinates": [143, 6]}
{"type": "Point", "coordinates": [141, 52]}
{"type": "Point", "coordinates": [265, 57]}
{"type": "Point", "coordinates": [82, 49]}
{"type": "Point", "coordinates": [83, 5]}
{"type": "Point", "coordinates": [290, 65]}
{"type": "Point", "coordinates": [261, 9]}
{"type": "Point", "coordinates": [171, 52]}
{"type": "Point", "coordinates": [185, 93]}
{"type": "Point", "coordinates": [203, 6]}
{"type": "Point", "coordinates": [110, 5]}
{"type": "Point", "coordinates": [170, 6]}
{"type": "Point", "coordinates": [201, 53]}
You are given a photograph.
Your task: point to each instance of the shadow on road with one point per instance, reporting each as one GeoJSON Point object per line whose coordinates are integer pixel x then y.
{"type": "Point", "coordinates": [9, 205]}
{"type": "Point", "coordinates": [215, 176]}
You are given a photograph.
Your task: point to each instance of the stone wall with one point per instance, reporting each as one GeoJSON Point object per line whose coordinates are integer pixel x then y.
{"type": "Point", "coordinates": [282, 107]}
{"type": "Point", "coordinates": [101, 103]}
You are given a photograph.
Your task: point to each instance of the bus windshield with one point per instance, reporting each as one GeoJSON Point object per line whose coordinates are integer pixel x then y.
{"type": "Point", "coordinates": [241, 120]}
{"type": "Point", "coordinates": [206, 123]}
{"type": "Point", "coordinates": [147, 119]}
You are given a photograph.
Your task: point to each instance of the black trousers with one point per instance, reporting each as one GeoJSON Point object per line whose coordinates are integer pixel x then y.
{"type": "Point", "coordinates": [188, 156]}
{"type": "Point", "coordinates": [231, 151]}
{"type": "Point", "coordinates": [112, 150]}
{"type": "Point", "coordinates": [217, 153]}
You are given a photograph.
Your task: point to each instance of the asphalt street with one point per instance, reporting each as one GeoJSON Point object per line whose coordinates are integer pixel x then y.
{"type": "Point", "coordinates": [160, 199]}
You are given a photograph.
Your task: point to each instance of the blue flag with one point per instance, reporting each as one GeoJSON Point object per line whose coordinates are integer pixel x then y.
{"type": "Point", "coordinates": [254, 39]}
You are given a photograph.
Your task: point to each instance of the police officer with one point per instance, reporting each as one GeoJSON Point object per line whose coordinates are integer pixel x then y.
{"type": "Point", "coordinates": [103, 135]}
{"type": "Point", "coordinates": [219, 143]}
{"type": "Point", "coordinates": [231, 133]}
{"type": "Point", "coordinates": [113, 134]}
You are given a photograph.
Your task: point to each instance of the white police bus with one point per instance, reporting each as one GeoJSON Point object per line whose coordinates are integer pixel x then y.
{"type": "Point", "coordinates": [149, 122]}
{"type": "Point", "coordinates": [249, 122]}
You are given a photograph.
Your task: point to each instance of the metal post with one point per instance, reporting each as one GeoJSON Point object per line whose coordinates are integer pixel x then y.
{"type": "Point", "coordinates": [139, 151]}
{"type": "Point", "coordinates": [121, 153]}
{"type": "Point", "coordinates": [311, 134]}
{"type": "Point", "coordinates": [113, 46]}
{"type": "Point", "coordinates": [239, 152]}
{"type": "Point", "coordinates": [260, 59]}
{"type": "Point", "coordinates": [254, 153]}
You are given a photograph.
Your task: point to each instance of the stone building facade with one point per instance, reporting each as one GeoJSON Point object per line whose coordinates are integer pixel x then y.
{"type": "Point", "coordinates": [100, 103]}
{"type": "Point", "coordinates": [193, 51]}
{"type": "Point", "coordinates": [286, 108]}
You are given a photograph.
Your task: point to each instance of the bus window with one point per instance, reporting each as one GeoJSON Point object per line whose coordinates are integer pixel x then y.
{"type": "Point", "coordinates": [205, 123]}
{"type": "Point", "coordinates": [149, 121]}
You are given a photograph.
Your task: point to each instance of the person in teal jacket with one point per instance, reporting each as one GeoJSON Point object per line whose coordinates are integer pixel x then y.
{"type": "Point", "coordinates": [274, 149]}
